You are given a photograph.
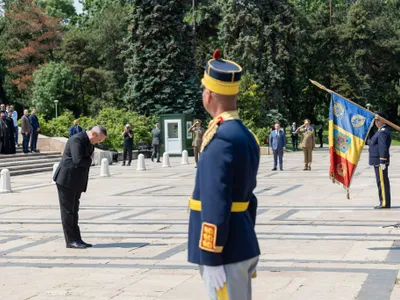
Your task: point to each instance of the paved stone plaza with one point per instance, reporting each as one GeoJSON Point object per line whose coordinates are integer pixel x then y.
{"type": "Point", "coordinates": [315, 244]}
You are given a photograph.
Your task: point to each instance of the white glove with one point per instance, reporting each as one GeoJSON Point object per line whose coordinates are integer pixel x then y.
{"type": "Point", "coordinates": [383, 167]}
{"type": "Point", "coordinates": [214, 276]}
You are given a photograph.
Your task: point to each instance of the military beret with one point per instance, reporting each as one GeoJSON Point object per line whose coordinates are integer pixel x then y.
{"type": "Point", "coordinates": [222, 76]}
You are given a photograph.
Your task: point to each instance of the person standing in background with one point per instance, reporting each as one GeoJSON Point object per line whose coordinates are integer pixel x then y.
{"type": "Point", "coordinates": [307, 143]}
{"type": "Point", "coordinates": [277, 141]}
{"type": "Point", "coordinates": [4, 134]}
{"type": "Point", "coordinates": [11, 133]}
{"type": "Point", "coordinates": [198, 132]}
{"type": "Point", "coordinates": [26, 130]}
{"type": "Point", "coordinates": [35, 129]}
{"type": "Point", "coordinates": [295, 137]}
{"type": "Point", "coordinates": [14, 117]}
{"type": "Point", "coordinates": [128, 144]}
{"type": "Point", "coordinates": [320, 135]}
{"type": "Point", "coordinates": [157, 142]}
{"type": "Point", "coordinates": [75, 129]}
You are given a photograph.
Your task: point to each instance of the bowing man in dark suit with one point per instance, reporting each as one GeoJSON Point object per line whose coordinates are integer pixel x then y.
{"type": "Point", "coordinates": [71, 178]}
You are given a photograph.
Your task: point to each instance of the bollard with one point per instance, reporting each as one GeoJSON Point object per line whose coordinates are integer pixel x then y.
{"type": "Point", "coordinates": [140, 163]}
{"type": "Point", "coordinates": [55, 166]}
{"type": "Point", "coordinates": [105, 169]}
{"type": "Point", "coordinates": [5, 181]}
{"type": "Point", "coordinates": [185, 157]}
{"type": "Point", "coordinates": [165, 163]}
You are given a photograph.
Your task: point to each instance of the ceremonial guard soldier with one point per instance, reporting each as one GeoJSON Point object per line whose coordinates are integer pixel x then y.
{"type": "Point", "coordinates": [222, 239]}
{"type": "Point", "coordinates": [379, 157]}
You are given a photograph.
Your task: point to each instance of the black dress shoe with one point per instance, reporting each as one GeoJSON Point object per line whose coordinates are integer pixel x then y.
{"type": "Point", "coordinates": [381, 207]}
{"type": "Point", "coordinates": [274, 169]}
{"type": "Point", "coordinates": [86, 244]}
{"type": "Point", "coordinates": [281, 169]}
{"type": "Point", "coordinates": [76, 245]}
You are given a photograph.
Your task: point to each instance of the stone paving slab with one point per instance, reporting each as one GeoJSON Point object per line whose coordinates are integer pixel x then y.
{"type": "Point", "coordinates": [315, 243]}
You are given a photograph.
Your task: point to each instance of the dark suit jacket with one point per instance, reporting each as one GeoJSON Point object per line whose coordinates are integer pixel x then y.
{"type": "Point", "coordinates": [74, 130]}
{"type": "Point", "coordinates": [157, 136]}
{"type": "Point", "coordinates": [73, 171]}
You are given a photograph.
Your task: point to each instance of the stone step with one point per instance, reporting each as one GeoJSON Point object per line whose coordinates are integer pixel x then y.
{"type": "Point", "coordinates": [33, 166]}
{"type": "Point", "coordinates": [28, 156]}
{"type": "Point", "coordinates": [37, 162]}
{"type": "Point", "coordinates": [31, 171]}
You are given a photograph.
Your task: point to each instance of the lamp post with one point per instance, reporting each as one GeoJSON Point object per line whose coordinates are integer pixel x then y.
{"type": "Point", "coordinates": [56, 103]}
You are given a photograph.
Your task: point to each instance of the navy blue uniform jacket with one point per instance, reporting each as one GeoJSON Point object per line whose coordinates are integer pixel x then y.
{"type": "Point", "coordinates": [226, 174]}
{"type": "Point", "coordinates": [379, 147]}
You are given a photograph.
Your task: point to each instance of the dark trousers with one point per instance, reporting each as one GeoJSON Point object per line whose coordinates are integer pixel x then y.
{"type": "Point", "coordinates": [321, 140]}
{"type": "Point", "coordinates": [383, 183]}
{"type": "Point", "coordinates": [34, 139]}
{"type": "Point", "coordinates": [156, 152]}
{"type": "Point", "coordinates": [295, 143]}
{"type": "Point", "coordinates": [278, 153]}
{"type": "Point", "coordinates": [69, 207]}
{"type": "Point", "coordinates": [196, 151]}
{"type": "Point", "coordinates": [25, 142]}
{"type": "Point", "coordinates": [127, 152]}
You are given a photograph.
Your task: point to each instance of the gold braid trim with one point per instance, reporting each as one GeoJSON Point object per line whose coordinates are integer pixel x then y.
{"type": "Point", "coordinates": [212, 129]}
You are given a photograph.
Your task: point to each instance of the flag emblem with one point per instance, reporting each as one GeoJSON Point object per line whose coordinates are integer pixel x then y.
{"type": "Point", "coordinates": [342, 141]}
{"type": "Point", "coordinates": [341, 169]}
{"type": "Point", "coordinates": [357, 121]}
{"type": "Point", "coordinates": [338, 109]}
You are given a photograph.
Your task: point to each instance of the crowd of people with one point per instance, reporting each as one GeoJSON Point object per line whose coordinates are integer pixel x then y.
{"type": "Point", "coordinates": [30, 129]}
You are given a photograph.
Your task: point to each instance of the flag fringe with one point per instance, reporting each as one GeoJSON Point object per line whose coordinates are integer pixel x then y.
{"type": "Point", "coordinates": [332, 177]}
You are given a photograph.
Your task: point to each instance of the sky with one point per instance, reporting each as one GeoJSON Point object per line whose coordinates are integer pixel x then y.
{"type": "Point", "coordinates": [78, 6]}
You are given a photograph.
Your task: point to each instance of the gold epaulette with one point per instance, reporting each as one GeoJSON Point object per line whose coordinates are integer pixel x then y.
{"type": "Point", "coordinates": [212, 129]}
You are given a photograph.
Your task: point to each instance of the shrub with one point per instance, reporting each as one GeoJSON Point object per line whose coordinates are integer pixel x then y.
{"type": "Point", "coordinates": [114, 120]}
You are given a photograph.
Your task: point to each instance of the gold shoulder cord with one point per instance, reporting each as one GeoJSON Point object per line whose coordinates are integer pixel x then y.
{"type": "Point", "coordinates": [212, 129]}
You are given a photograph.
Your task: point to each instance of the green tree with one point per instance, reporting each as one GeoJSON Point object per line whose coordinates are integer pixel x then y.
{"type": "Point", "coordinates": [32, 37]}
{"type": "Point", "coordinates": [63, 9]}
{"type": "Point", "coordinates": [160, 61]}
{"type": "Point", "coordinates": [262, 35]}
{"type": "Point", "coordinates": [3, 96]}
{"type": "Point", "coordinates": [50, 82]}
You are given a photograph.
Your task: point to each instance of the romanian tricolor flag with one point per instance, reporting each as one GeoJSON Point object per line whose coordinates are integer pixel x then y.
{"type": "Point", "coordinates": [349, 125]}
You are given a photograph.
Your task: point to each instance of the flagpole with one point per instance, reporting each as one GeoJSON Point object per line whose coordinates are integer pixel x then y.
{"type": "Point", "coordinates": [317, 84]}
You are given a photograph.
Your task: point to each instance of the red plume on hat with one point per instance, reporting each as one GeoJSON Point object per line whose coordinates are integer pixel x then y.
{"type": "Point", "coordinates": [217, 54]}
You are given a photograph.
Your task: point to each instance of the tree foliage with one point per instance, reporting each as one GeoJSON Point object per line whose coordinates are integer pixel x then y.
{"type": "Point", "coordinates": [160, 59]}
{"type": "Point", "coordinates": [53, 81]}
{"type": "Point", "coordinates": [33, 37]}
